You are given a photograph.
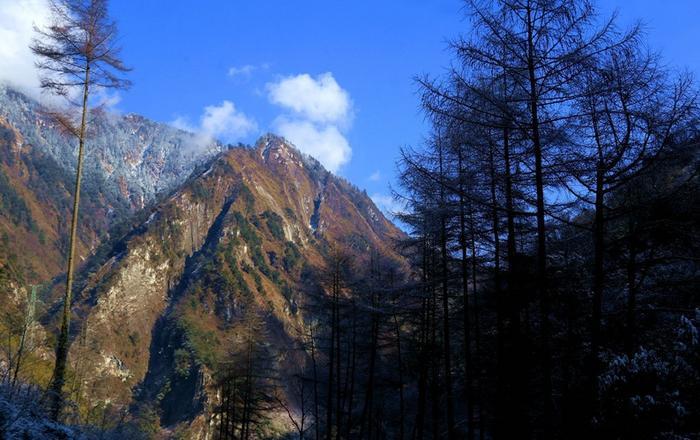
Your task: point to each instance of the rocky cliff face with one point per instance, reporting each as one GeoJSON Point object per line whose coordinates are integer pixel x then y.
{"type": "Point", "coordinates": [235, 241]}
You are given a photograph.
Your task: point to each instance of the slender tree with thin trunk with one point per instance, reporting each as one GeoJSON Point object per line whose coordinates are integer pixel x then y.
{"type": "Point", "coordinates": [78, 55]}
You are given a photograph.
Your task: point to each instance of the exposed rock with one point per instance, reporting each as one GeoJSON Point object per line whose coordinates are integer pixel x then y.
{"type": "Point", "coordinates": [162, 302]}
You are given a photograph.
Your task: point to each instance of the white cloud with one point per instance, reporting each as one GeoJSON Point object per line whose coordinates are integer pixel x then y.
{"type": "Point", "coordinates": [183, 123]}
{"type": "Point", "coordinates": [318, 113]}
{"type": "Point", "coordinates": [17, 21]}
{"type": "Point", "coordinates": [226, 123]}
{"type": "Point", "coordinates": [223, 122]}
{"type": "Point", "coordinates": [320, 100]}
{"type": "Point", "coordinates": [388, 204]}
{"type": "Point", "coordinates": [325, 143]}
{"type": "Point", "coordinates": [102, 97]}
{"type": "Point", "coordinates": [375, 176]}
{"type": "Point", "coordinates": [246, 71]}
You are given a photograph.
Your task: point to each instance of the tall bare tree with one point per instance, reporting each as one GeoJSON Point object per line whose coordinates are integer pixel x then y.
{"type": "Point", "coordinates": [630, 112]}
{"type": "Point", "coordinates": [78, 56]}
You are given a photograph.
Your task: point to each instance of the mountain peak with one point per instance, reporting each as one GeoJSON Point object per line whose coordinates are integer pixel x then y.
{"type": "Point", "coordinates": [276, 149]}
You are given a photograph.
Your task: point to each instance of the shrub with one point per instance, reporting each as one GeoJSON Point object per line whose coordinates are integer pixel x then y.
{"type": "Point", "coordinates": [13, 205]}
{"type": "Point", "coordinates": [292, 256]}
{"type": "Point", "coordinates": [274, 225]}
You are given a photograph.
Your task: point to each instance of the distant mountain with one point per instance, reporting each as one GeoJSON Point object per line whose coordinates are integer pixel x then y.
{"type": "Point", "coordinates": [130, 160]}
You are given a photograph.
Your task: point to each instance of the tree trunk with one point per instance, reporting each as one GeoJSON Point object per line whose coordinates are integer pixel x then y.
{"type": "Point", "coordinates": [434, 355]}
{"type": "Point", "coordinates": [598, 274]}
{"type": "Point", "coordinates": [315, 371]}
{"type": "Point", "coordinates": [331, 360]}
{"type": "Point", "coordinates": [353, 356]}
{"type": "Point", "coordinates": [545, 326]}
{"type": "Point", "coordinates": [338, 377]}
{"type": "Point", "coordinates": [446, 309]}
{"type": "Point", "coordinates": [367, 410]}
{"type": "Point", "coordinates": [400, 360]}
{"type": "Point", "coordinates": [477, 326]}
{"type": "Point", "coordinates": [631, 318]}
{"type": "Point", "coordinates": [59, 370]}
{"type": "Point", "coordinates": [419, 427]}
{"type": "Point", "coordinates": [468, 373]}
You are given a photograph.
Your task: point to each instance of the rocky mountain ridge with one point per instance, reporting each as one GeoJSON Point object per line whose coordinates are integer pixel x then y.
{"type": "Point", "coordinates": [239, 239]}
{"type": "Point", "coordinates": [142, 158]}
{"type": "Point", "coordinates": [159, 304]}
{"type": "Point", "coordinates": [130, 160]}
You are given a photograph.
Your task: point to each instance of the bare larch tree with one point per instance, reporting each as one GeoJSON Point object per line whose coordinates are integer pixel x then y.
{"type": "Point", "coordinates": [78, 56]}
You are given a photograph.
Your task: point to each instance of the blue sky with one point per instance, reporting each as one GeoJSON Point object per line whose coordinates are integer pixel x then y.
{"type": "Point", "coordinates": [372, 49]}
{"type": "Point", "coordinates": [250, 62]}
